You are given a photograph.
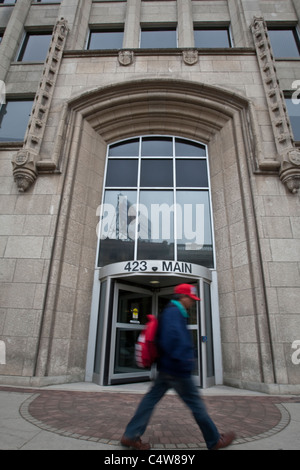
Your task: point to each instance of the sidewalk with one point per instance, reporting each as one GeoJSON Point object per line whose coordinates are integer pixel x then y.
{"type": "Point", "coordinates": [89, 417]}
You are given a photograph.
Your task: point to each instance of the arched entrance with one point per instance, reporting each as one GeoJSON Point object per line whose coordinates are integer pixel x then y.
{"type": "Point", "coordinates": [220, 119]}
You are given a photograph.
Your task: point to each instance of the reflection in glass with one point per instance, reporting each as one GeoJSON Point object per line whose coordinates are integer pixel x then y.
{"type": "Point", "coordinates": [194, 231]}
{"type": "Point", "coordinates": [117, 227]}
{"type": "Point", "coordinates": [156, 225]}
{"type": "Point", "coordinates": [125, 351]}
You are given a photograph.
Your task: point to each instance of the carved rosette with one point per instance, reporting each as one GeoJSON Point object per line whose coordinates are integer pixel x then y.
{"type": "Point", "coordinates": [288, 156]}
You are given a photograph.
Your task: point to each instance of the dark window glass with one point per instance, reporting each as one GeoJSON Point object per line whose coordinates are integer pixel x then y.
{"type": "Point", "coordinates": [35, 47]}
{"type": "Point", "coordinates": [7, 2]}
{"type": "Point", "coordinates": [294, 114]}
{"type": "Point", "coordinates": [1, 36]}
{"type": "Point", "coordinates": [125, 149]}
{"type": "Point", "coordinates": [212, 38]}
{"type": "Point", "coordinates": [285, 42]}
{"type": "Point", "coordinates": [157, 173]}
{"type": "Point", "coordinates": [191, 173]}
{"type": "Point", "coordinates": [14, 117]}
{"type": "Point", "coordinates": [165, 38]}
{"type": "Point", "coordinates": [122, 173]}
{"type": "Point", "coordinates": [185, 148]}
{"type": "Point", "coordinates": [106, 40]}
{"type": "Point", "coordinates": [157, 147]}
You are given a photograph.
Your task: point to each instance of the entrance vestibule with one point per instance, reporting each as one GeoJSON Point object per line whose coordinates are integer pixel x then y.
{"type": "Point", "coordinates": [127, 299]}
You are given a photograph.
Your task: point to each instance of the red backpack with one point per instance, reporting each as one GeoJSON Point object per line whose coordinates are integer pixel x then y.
{"type": "Point", "coordinates": [146, 352]}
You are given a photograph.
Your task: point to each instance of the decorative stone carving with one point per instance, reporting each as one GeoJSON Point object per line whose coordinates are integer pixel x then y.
{"type": "Point", "coordinates": [26, 162]}
{"type": "Point", "coordinates": [288, 155]}
{"type": "Point", "coordinates": [126, 58]}
{"type": "Point", "coordinates": [190, 57]}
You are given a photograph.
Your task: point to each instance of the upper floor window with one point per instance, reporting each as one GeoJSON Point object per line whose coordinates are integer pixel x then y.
{"type": "Point", "coordinates": [35, 47]}
{"type": "Point", "coordinates": [106, 39]}
{"type": "Point", "coordinates": [293, 110]}
{"type": "Point", "coordinates": [212, 37]}
{"type": "Point", "coordinates": [285, 42]}
{"type": "Point", "coordinates": [158, 37]}
{"type": "Point", "coordinates": [1, 36]}
{"type": "Point", "coordinates": [14, 117]}
{"type": "Point", "coordinates": [7, 2]}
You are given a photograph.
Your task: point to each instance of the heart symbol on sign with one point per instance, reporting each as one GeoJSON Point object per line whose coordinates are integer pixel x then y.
{"type": "Point", "coordinates": [155, 269]}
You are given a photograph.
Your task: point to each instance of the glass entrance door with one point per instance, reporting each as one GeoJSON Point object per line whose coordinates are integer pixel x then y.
{"type": "Point", "coordinates": [131, 307]}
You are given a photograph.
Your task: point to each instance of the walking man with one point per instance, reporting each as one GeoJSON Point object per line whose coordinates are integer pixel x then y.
{"type": "Point", "coordinates": [175, 366]}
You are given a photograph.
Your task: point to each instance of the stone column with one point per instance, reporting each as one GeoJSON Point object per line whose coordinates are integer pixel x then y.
{"type": "Point", "coordinates": [13, 35]}
{"type": "Point", "coordinates": [185, 24]}
{"type": "Point", "coordinates": [77, 14]}
{"type": "Point", "coordinates": [132, 24]}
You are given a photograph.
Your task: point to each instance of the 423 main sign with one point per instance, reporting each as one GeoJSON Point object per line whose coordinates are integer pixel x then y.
{"type": "Point", "coordinates": [155, 267]}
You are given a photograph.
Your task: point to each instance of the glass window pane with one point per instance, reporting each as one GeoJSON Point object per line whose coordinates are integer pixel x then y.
{"type": "Point", "coordinates": [14, 117]}
{"type": "Point", "coordinates": [134, 307]}
{"type": "Point", "coordinates": [284, 43]}
{"type": "Point", "coordinates": [117, 227]}
{"type": "Point", "coordinates": [157, 173]}
{"type": "Point", "coordinates": [294, 114]}
{"type": "Point", "coordinates": [157, 147]}
{"type": "Point", "coordinates": [158, 38]}
{"type": "Point", "coordinates": [36, 47]}
{"type": "Point", "coordinates": [122, 173]}
{"type": "Point", "coordinates": [210, 363]}
{"type": "Point", "coordinates": [211, 38]}
{"type": "Point", "coordinates": [156, 225]}
{"type": "Point", "coordinates": [130, 148]}
{"type": "Point", "coordinates": [106, 40]}
{"type": "Point", "coordinates": [194, 232]}
{"type": "Point", "coordinates": [191, 174]}
{"type": "Point", "coordinates": [185, 148]}
{"type": "Point", "coordinates": [125, 351]}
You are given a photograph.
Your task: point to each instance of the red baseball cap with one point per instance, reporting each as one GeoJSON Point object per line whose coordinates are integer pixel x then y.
{"type": "Point", "coordinates": [187, 289]}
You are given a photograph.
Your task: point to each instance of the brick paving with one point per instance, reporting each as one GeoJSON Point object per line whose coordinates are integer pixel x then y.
{"type": "Point", "coordinates": [102, 417]}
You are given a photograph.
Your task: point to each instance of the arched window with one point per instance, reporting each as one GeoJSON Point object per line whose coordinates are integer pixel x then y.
{"type": "Point", "coordinates": [156, 203]}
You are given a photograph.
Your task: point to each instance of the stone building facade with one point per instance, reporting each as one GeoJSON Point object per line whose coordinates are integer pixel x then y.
{"type": "Point", "coordinates": [218, 81]}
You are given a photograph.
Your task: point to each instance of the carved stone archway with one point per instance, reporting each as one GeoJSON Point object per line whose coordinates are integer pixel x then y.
{"type": "Point", "coordinates": [223, 120]}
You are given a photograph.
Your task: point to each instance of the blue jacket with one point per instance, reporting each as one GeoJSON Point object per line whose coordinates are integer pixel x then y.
{"type": "Point", "coordinates": [177, 355]}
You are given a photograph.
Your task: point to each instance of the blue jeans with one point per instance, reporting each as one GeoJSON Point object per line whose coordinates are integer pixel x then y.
{"type": "Point", "coordinates": [188, 392]}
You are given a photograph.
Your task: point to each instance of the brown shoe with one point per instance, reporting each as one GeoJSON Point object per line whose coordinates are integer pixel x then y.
{"type": "Point", "coordinates": [136, 444]}
{"type": "Point", "coordinates": [225, 440]}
